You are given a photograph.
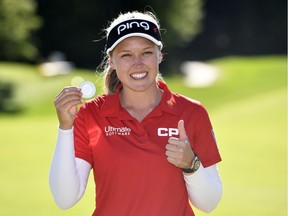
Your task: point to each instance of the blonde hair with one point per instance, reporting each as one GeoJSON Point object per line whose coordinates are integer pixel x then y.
{"type": "Point", "coordinates": [111, 80]}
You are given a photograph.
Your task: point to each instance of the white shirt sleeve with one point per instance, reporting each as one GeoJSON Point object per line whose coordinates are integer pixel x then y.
{"type": "Point", "coordinates": [68, 175]}
{"type": "Point", "coordinates": [204, 188]}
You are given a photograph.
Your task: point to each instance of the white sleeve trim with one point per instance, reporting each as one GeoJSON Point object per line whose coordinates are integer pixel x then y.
{"type": "Point", "coordinates": [204, 188]}
{"type": "Point", "coordinates": [68, 175]}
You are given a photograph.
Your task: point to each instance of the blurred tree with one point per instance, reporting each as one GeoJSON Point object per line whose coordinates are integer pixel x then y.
{"type": "Point", "coordinates": [183, 19]}
{"type": "Point", "coordinates": [246, 27]}
{"type": "Point", "coordinates": [17, 22]}
{"type": "Point", "coordinates": [71, 25]}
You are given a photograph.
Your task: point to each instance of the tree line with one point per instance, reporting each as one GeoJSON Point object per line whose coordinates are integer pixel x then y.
{"type": "Point", "coordinates": [198, 29]}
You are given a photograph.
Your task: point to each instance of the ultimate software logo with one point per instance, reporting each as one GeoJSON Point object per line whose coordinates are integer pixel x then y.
{"type": "Point", "coordinates": [121, 131]}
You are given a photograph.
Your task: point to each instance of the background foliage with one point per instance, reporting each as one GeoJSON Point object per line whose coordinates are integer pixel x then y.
{"type": "Point", "coordinates": [72, 26]}
{"type": "Point", "coordinates": [191, 29]}
{"type": "Point", "coordinates": [17, 24]}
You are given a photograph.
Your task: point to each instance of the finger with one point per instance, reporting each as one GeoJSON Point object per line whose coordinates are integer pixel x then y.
{"type": "Point", "coordinates": [67, 105]}
{"type": "Point", "coordinates": [171, 147]}
{"type": "Point", "coordinates": [182, 131]}
{"type": "Point", "coordinates": [64, 104]}
{"type": "Point", "coordinates": [176, 142]}
{"type": "Point", "coordinates": [174, 161]}
{"type": "Point", "coordinates": [174, 148]}
{"type": "Point", "coordinates": [174, 154]}
{"type": "Point", "coordinates": [68, 94]}
{"type": "Point", "coordinates": [67, 102]}
{"type": "Point", "coordinates": [173, 140]}
{"type": "Point", "coordinates": [70, 90]}
{"type": "Point", "coordinates": [171, 160]}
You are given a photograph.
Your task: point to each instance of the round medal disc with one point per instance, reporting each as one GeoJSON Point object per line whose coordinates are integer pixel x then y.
{"type": "Point", "coordinates": [88, 89]}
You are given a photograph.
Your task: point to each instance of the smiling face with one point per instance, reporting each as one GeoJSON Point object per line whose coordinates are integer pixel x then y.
{"type": "Point", "coordinates": [136, 61]}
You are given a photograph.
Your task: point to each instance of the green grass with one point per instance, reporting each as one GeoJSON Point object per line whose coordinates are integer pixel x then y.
{"type": "Point", "coordinates": [252, 139]}
{"type": "Point", "coordinates": [247, 106]}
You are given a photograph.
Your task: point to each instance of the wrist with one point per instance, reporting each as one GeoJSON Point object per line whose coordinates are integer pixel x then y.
{"type": "Point", "coordinates": [194, 166]}
{"type": "Point", "coordinates": [65, 127]}
{"type": "Point", "coordinates": [63, 130]}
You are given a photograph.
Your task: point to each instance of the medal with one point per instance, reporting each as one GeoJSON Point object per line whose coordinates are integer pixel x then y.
{"type": "Point", "coordinates": [88, 89]}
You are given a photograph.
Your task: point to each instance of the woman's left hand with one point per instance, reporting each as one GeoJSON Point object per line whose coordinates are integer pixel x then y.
{"type": "Point", "coordinates": [178, 150]}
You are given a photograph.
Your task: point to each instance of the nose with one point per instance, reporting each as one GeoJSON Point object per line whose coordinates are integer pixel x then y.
{"type": "Point", "coordinates": [137, 61]}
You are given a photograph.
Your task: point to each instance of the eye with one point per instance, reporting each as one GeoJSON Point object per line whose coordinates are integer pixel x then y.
{"type": "Point", "coordinates": [147, 53]}
{"type": "Point", "coordinates": [125, 55]}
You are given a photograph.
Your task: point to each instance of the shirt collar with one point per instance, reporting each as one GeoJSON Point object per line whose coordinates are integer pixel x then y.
{"type": "Point", "coordinates": [112, 107]}
{"type": "Point", "coordinates": [167, 103]}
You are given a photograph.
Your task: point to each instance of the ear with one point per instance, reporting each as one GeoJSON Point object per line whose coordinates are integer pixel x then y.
{"type": "Point", "coordinates": [160, 57]}
{"type": "Point", "coordinates": [111, 63]}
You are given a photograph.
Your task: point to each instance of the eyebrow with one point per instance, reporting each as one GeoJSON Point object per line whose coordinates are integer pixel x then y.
{"type": "Point", "coordinates": [146, 48]}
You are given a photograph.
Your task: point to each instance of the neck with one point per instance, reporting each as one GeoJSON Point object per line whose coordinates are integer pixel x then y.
{"type": "Point", "coordinates": [140, 104]}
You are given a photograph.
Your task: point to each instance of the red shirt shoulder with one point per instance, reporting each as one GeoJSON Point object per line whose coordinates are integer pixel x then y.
{"type": "Point", "coordinates": [199, 129]}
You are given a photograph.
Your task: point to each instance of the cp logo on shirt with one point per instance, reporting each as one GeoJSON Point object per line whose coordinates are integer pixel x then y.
{"type": "Point", "coordinates": [167, 132]}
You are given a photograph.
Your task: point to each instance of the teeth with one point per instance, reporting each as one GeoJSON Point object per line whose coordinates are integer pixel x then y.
{"type": "Point", "coordinates": [138, 75]}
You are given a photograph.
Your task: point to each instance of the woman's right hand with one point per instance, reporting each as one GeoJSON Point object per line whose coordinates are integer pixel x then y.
{"type": "Point", "coordinates": [66, 106]}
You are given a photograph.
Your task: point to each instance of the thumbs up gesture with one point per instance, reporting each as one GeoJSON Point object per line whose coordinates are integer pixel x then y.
{"type": "Point", "coordinates": [178, 151]}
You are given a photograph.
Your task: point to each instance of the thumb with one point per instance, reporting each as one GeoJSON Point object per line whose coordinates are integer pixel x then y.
{"type": "Point", "coordinates": [182, 131]}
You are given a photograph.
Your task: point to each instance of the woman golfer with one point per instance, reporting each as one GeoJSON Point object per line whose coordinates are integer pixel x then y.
{"type": "Point", "coordinates": [152, 151]}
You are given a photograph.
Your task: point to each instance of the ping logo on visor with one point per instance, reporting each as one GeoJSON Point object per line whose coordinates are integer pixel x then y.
{"type": "Point", "coordinates": [130, 25]}
{"type": "Point", "coordinates": [130, 28]}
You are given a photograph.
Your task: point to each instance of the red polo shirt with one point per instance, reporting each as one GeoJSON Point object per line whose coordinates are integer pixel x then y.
{"type": "Point", "coordinates": [131, 171]}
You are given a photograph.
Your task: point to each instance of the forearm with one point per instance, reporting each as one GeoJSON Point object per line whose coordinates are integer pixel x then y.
{"type": "Point", "coordinates": [204, 188]}
{"type": "Point", "coordinates": [68, 175]}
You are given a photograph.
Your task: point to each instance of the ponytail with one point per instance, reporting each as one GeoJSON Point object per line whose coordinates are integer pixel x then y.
{"type": "Point", "coordinates": [111, 80]}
